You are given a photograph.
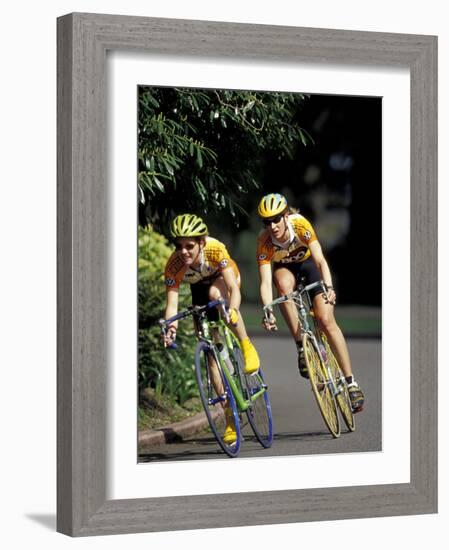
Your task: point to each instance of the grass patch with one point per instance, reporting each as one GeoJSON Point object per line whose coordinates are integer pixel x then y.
{"type": "Point", "coordinates": [156, 411]}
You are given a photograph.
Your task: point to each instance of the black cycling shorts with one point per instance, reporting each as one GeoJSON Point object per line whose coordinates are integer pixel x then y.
{"type": "Point", "coordinates": [306, 269]}
{"type": "Point", "coordinates": [200, 297]}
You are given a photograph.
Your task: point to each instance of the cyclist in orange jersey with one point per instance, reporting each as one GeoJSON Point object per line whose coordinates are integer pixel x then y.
{"type": "Point", "coordinates": [287, 251]}
{"type": "Point", "coordinates": [206, 265]}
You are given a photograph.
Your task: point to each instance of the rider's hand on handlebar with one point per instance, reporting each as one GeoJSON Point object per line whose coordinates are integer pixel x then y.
{"type": "Point", "coordinates": [330, 297]}
{"type": "Point", "coordinates": [269, 321]}
{"type": "Point", "coordinates": [169, 336]}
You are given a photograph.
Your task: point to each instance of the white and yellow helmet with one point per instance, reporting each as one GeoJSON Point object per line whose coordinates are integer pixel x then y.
{"type": "Point", "coordinates": [188, 225]}
{"type": "Point", "coordinates": [272, 205]}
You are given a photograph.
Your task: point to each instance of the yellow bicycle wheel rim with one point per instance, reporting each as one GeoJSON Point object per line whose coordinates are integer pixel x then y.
{"type": "Point", "coordinates": [321, 387]}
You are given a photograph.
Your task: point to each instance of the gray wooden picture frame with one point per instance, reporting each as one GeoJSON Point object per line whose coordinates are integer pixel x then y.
{"type": "Point", "coordinates": [83, 40]}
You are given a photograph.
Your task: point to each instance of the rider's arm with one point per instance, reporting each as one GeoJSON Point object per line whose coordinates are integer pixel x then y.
{"type": "Point", "coordinates": [320, 262]}
{"type": "Point", "coordinates": [266, 296]}
{"type": "Point", "coordinates": [171, 307]}
{"type": "Point", "coordinates": [266, 290]}
{"type": "Point", "coordinates": [323, 267]}
{"type": "Point", "coordinates": [235, 296]}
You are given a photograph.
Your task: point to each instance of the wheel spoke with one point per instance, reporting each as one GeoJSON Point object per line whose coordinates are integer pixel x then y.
{"type": "Point", "coordinates": [218, 401]}
{"type": "Point", "coordinates": [321, 388]}
{"type": "Point", "coordinates": [343, 399]}
{"type": "Point", "coordinates": [255, 390]}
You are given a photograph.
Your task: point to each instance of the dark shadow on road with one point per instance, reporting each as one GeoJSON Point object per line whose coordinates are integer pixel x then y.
{"type": "Point", "coordinates": [185, 455]}
{"type": "Point", "coordinates": [208, 449]}
{"type": "Point", "coordinates": [303, 436]}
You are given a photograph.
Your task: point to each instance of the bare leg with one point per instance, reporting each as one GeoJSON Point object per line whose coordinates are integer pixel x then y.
{"type": "Point", "coordinates": [285, 283]}
{"type": "Point", "coordinates": [325, 315]}
{"type": "Point", "coordinates": [216, 376]}
{"type": "Point", "coordinates": [219, 290]}
{"type": "Point", "coordinates": [214, 371]}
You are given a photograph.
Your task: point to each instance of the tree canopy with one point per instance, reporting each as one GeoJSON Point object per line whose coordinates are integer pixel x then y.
{"type": "Point", "coordinates": [200, 150]}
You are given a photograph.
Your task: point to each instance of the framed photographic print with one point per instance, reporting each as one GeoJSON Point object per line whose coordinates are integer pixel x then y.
{"type": "Point", "coordinates": [219, 152]}
{"type": "Point", "coordinates": [126, 87]}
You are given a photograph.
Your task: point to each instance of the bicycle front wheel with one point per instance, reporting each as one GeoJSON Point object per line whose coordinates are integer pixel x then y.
{"type": "Point", "coordinates": [342, 397]}
{"type": "Point", "coordinates": [321, 386]}
{"type": "Point", "coordinates": [255, 391]}
{"type": "Point", "coordinates": [217, 399]}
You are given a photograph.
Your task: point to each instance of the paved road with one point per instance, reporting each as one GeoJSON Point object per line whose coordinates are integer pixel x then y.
{"type": "Point", "coordinates": [298, 426]}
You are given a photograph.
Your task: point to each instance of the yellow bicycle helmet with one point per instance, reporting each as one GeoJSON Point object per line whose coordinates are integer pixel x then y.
{"type": "Point", "coordinates": [188, 225]}
{"type": "Point", "coordinates": [272, 205]}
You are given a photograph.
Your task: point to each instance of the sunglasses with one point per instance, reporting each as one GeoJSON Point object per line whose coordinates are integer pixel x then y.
{"type": "Point", "coordinates": [189, 246]}
{"type": "Point", "coordinates": [276, 219]}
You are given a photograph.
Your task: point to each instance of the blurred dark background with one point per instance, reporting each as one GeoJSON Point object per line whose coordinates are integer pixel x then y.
{"type": "Point", "coordinates": [336, 182]}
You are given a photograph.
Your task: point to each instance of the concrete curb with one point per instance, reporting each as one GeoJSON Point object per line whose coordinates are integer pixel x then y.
{"type": "Point", "coordinates": [176, 432]}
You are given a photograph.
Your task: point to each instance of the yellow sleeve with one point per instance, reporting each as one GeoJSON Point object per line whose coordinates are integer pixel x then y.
{"type": "Point", "coordinates": [304, 230]}
{"type": "Point", "coordinates": [174, 271]}
{"type": "Point", "coordinates": [217, 255]}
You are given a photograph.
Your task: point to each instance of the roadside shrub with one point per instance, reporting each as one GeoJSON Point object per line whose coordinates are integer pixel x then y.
{"type": "Point", "coordinates": [168, 372]}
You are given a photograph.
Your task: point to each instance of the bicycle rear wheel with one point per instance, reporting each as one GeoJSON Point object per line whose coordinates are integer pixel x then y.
{"type": "Point", "coordinates": [216, 396]}
{"type": "Point", "coordinates": [342, 397]}
{"type": "Point", "coordinates": [321, 387]}
{"type": "Point", "coordinates": [259, 412]}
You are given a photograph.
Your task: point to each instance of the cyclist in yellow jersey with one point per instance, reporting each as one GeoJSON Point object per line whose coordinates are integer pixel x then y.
{"type": "Point", "coordinates": [287, 250]}
{"type": "Point", "coordinates": [206, 265]}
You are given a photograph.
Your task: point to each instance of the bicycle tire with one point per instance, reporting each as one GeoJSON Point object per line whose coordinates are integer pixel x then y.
{"type": "Point", "coordinates": [320, 386]}
{"type": "Point", "coordinates": [213, 403]}
{"type": "Point", "coordinates": [259, 412]}
{"type": "Point", "coordinates": [343, 399]}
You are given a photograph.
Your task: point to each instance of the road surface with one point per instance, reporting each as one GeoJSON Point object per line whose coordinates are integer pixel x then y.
{"type": "Point", "coordinates": [298, 426]}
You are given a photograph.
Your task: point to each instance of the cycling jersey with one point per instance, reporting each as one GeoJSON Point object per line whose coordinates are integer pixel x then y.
{"type": "Point", "coordinates": [295, 250]}
{"type": "Point", "coordinates": [214, 259]}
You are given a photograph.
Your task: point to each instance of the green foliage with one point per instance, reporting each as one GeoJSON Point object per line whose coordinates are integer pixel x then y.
{"type": "Point", "coordinates": [200, 150]}
{"type": "Point", "coordinates": [154, 251]}
{"type": "Point", "coordinates": [168, 372]}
